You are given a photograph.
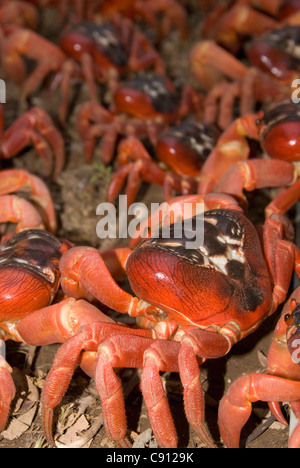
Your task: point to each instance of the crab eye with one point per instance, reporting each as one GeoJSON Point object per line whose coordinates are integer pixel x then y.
{"type": "Point", "coordinates": [288, 319]}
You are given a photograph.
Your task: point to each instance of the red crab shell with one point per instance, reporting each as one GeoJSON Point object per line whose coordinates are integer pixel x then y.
{"type": "Point", "coordinates": [29, 273]}
{"type": "Point", "coordinates": [224, 280]}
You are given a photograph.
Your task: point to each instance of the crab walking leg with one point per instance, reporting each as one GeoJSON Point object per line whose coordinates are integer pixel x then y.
{"type": "Point", "coordinates": [14, 209]}
{"type": "Point", "coordinates": [159, 357]}
{"type": "Point", "coordinates": [243, 20]}
{"type": "Point", "coordinates": [53, 324]}
{"type": "Point", "coordinates": [203, 64]}
{"type": "Point", "coordinates": [295, 427]}
{"type": "Point", "coordinates": [256, 174]}
{"type": "Point", "coordinates": [68, 356]}
{"type": "Point", "coordinates": [284, 259]}
{"type": "Point", "coordinates": [7, 390]}
{"type": "Point", "coordinates": [235, 407]}
{"type": "Point", "coordinates": [14, 180]}
{"type": "Point", "coordinates": [117, 352]}
{"type": "Point", "coordinates": [197, 346]}
{"type": "Point", "coordinates": [231, 149]}
{"type": "Point", "coordinates": [7, 387]}
{"type": "Point", "coordinates": [52, 137]}
{"type": "Point", "coordinates": [285, 200]}
{"type": "Point", "coordinates": [58, 322]}
{"type": "Point", "coordinates": [37, 127]}
{"type": "Point", "coordinates": [184, 357]}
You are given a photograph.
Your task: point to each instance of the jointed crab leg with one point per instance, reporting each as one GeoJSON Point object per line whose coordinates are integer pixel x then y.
{"type": "Point", "coordinates": [249, 389]}
{"type": "Point", "coordinates": [154, 356]}
{"type": "Point", "coordinates": [53, 324]}
{"type": "Point", "coordinates": [280, 383]}
{"type": "Point", "coordinates": [68, 356]}
{"type": "Point", "coordinates": [14, 180]}
{"type": "Point", "coordinates": [7, 390]}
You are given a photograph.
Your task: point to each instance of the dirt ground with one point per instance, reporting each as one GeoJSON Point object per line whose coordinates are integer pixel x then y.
{"type": "Point", "coordinates": [77, 192]}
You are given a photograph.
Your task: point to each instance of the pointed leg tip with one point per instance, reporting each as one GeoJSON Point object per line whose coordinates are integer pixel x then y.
{"type": "Point", "coordinates": [47, 419]}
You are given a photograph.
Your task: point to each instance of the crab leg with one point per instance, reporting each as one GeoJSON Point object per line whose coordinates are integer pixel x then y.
{"type": "Point", "coordinates": [19, 13]}
{"type": "Point", "coordinates": [26, 42]}
{"type": "Point", "coordinates": [284, 259]}
{"type": "Point", "coordinates": [117, 352]}
{"type": "Point", "coordinates": [115, 260]}
{"type": "Point", "coordinates": [14, 209]}
{"type": "Point", "coordinates": [203, 64]}
{"type": "Point", "coordinates": [94, 112]}
{"type": "Point", "coordinates": [143, 55]}
{"type": "Point", "coordinates": [158, 357]}
{"type": "Point", "coordinates": [52, 136]}
{"type": "Point", "coordinates": [255, 174]}
{"type": "Point", "coordinates": [148, 171]}
{"type": "Point", "coordinates": [7, 391]}
{"type": "Point", "coordinates": [235, 406]}
{"type": "Point", "coordinates": [13, 180]}
{"type": "Point", "coordinates": [49, 140]}
{"type": "Point", "coordinates": [285, 200]}
{"type": "Point", "coordinates": [243, 20]}
{"type": "Point", "coordinates": [56, 323]}
{"type": "Point", "coordinates": [280, 383]}
{"type": "Point", "coordinates": [68, 356]}
{"type": "Point", "coordinates": [53, 324]}
{"type": "Point", "coordinates": [155, 356]}
{"type": "Point", "coordinates": [226, 93]}
{"type": "Point", "coordinates": [231, 148]}
{"type": "Point", "coordinates": [272, 7]}
{"type": "Point", "coordinates": [163, 355]}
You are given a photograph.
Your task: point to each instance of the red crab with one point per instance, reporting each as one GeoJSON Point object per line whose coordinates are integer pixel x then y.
{"type": "Point", "coordinates": [274, 67]}
{"type": "Point", "coordinates": [181, 151]}
{"type": "Point", "coordinates": [227, 79]}
{"type": "Point", "coordinates": [143, 106]}
{"type": "Point", "coordinates": [29, 281]}
{"type": "Point", "coordinates": [289, 9]}
{"type": "Point", "coordinates": [230, 25]}
{"type": "Point", "coordinates": [74, 9]}
{"type": "Point", "coordinates": [196, 304]}
{"type": "Point", "coordinates": [281, 382]}
{"type": "Point", "coordinates": [278, 133]}
{"type": "Point", "coordinates": [275, 53]}
{"type": "Point", "coordinates": [19, 13]}
{"type": "Point", "coordinates": [19, 43]}
{"type": "Point", "coordinates": [162, 15]}
{"type": "Point", "coordinates": [107, 49]}
{"type": "Point", "coordinates": [37, 212]}
{"type": "Point", "coordinates": [36, 127]}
